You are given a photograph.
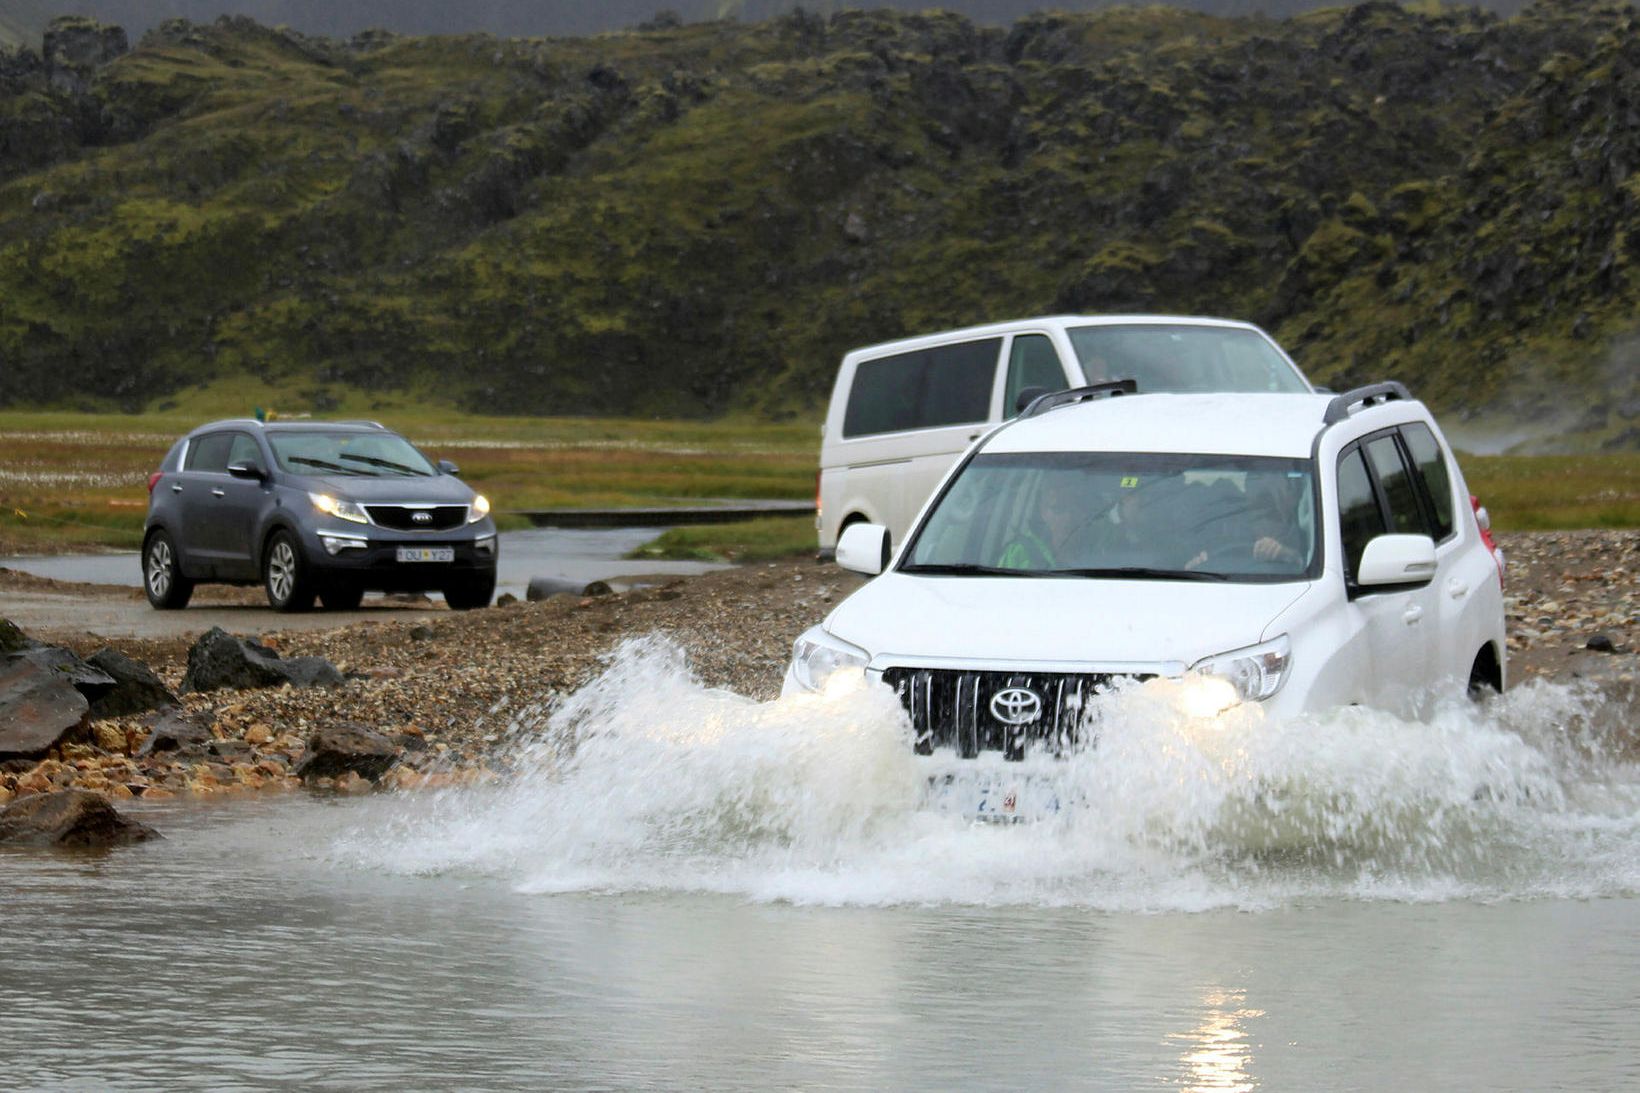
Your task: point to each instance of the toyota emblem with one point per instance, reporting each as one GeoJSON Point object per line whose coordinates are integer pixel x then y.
{"type": "Point", "coordinates": [422, 517]}
{"type": "Point", "coordinates": [1016, 706]}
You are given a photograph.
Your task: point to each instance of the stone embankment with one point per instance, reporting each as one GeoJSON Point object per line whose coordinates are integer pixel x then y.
{"type": "Point", "coordinates": [403, 703]}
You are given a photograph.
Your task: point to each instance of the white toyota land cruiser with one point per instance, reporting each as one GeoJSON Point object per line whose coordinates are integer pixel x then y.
{"type": "Point", "coordinates": [1300, 551]}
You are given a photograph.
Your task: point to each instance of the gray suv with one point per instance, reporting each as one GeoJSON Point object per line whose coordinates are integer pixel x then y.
{"type": "Point", "coordinates": [326, 509]}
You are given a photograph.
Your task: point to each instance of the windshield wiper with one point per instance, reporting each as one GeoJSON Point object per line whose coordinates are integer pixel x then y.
{"type": "Point", "coordinates": [386, 464]}
{"type": "Point", "coordinates": [967, 569]}
{"type": "Point", "coordinates": [325, 464]}
{"type": "Point", "coordinates": [1143, 573]}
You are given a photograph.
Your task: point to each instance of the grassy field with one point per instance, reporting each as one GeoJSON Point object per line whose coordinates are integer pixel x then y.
{"type": "Point", "coordinates": [76, 481]}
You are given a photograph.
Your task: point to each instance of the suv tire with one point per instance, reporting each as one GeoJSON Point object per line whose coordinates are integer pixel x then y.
{"type": "Point", "coordinates": [470, 593]}
{"type": "Point", "coordinates": [162, 579]}
{"type": "Point", "coordinates": [285, 575]}
{"type": "Point", "coordinates": [341, 597]}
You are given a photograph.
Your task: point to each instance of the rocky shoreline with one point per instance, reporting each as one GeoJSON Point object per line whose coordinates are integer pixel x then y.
{"type": "Point", "coordinates": [406, 704]}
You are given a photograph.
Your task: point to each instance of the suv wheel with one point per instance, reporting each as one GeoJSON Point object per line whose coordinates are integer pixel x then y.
{"type": "Point", "coordinates": [285, 576]}
{"type": "Point", "coordinates": [470, 593]}
{"type": "Point", "coordinates": [341, 597]}
{"type": "Point", "coordinates": [162, 576]}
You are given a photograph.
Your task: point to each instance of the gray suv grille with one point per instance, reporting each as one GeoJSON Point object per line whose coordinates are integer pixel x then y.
{"type": "Point", "coordinates": [417, 517]}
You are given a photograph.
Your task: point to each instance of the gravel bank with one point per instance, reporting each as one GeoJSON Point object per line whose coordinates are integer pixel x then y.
{"type": "Point", "coordinates": [446, 686]}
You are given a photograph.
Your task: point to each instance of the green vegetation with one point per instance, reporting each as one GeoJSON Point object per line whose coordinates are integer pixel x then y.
{"type": "Point", "coordinates": [751, 541]}
{"type": "Point", "coordinates": [1551, 492]}
{"type": "Point", "coordinates": [695, 221]}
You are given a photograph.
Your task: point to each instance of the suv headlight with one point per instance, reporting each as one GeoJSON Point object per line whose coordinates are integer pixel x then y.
{"type": "Point", "coordinates": [479, 509]}
{"type": "Point", "coordinates": [1256, 672]}
{"type": "Point", "coordinates": [816, 655]}
{"type": "Point", "coordinates": [342, 510]}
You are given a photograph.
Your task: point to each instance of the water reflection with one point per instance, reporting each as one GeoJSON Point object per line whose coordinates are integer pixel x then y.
{"type": "Point", "coordinates": [1217, 1053]}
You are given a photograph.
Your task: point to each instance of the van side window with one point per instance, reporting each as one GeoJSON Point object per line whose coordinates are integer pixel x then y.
{"type": "Point", "coordinates": [1359, 518]}
{"type": "Point", "coordinates": [1404, 510]}
{"type": "Point", "coordinates": [1431, 466]}
{"type": "Point", "coordinates": [924, 389]}
{"type": "Point", "coordinates": [1032, 362]}
{"type": "Point", "coordinates": [210, 452]}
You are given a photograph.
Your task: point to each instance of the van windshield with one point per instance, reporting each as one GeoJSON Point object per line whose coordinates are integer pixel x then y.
{"type": "Point", "coordinates": [372, 455]}
{"type": "Point", "coordinates": [1163, 357]}
{"type": "Point", "coordinates": [1124, 515]}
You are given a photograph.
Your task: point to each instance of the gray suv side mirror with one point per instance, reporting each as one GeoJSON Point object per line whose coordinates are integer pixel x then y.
{"type": "Point", "coordinates": [247, 470]}
{"type": "Point", "coordinates": [449, 468]}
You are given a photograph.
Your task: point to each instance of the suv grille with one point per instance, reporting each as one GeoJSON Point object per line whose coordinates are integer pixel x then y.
{"type": "Point", "coordinates": [962, 710]}
{"type": "Point", "coordinates": [407, 517]}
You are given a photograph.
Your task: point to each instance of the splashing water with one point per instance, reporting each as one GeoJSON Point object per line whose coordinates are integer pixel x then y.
{"type": "Point", "coordinates": [646, 780]}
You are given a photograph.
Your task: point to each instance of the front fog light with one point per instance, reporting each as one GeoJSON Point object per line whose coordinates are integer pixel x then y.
{"type": "Point", "coordinates": [335, 544]}
{"type": "Point", "coordinates": [1256, 672]}
{"type": "Point", "coordinates": [817, 655]}
{"type": "Point", "coordinates": [485, 545]}
{"type": "Point", "coordinates": [1204, 696]}
{"type": "Point", "coordinates": [480, 508]}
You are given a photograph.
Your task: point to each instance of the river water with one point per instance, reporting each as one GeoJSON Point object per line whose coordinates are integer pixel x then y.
{"type": "Point", "coordinates": [681, 888]}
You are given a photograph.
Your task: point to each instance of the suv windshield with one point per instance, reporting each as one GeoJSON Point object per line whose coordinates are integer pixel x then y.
{"type": "Point", "coordinates": [1180, 358]}
{"type": "Point", "coordinates": [370, 454]}
{"type": "Point", "coordinates": [1124, 515]}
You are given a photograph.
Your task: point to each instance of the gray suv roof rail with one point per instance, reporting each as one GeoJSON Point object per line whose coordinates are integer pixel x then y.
{"type": "Point", "coordinates": [1043, 403]}
{"type": "Point", "coordinates": [1340, 408]}
{"type": "Point", "coordinates": [228, 421]}
{"type": "Point", "coordinates": [357, 421]}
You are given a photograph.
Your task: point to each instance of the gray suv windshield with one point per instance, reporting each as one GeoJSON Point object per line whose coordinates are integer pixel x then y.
{"type": "Point", "coordinates": [371, 454]}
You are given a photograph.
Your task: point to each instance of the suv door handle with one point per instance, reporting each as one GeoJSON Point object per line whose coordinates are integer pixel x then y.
{"type": "Point", "coordinates": [1457, 589]}
{"type": "Point", "coordinates": [176, 487]}
{"type": "Point", "coordinates": [219, 492]}
{"type": "Point", "coordinates": [1412, 614]}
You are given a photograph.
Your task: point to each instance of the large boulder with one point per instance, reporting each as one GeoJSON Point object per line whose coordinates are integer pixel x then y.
{"type": "Point", "coordinates": [38, 709]}
{"type": "Point", "coordinates": [71, 818]}
{"type": "Point", "coordinates": [88, 679]}
{"type": "Point", "coordinates": [76, 46]}
{"type": "Point", "coordinates": [136, 688]}
{"type": "Point", "coordinates": [219, 660]}
{"type": "Point", "coordinates": [347, 746]}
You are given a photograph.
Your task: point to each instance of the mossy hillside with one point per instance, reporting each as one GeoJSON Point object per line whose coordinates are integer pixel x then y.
{"type": "Point", "coordinates": [691, 220]}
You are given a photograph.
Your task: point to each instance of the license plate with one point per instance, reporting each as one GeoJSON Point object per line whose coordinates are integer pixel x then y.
{"type": "Point", "coordinates": [994, 799]}
{"type": "Point", "coordinates": [427, 554]}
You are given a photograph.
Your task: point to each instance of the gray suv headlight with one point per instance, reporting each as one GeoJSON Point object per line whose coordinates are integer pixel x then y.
{"type": "Point", "coordinates": [816, 655]}
{"type": "Point", "coordinates": [480, 508]}
{"type": "Point", "coordinates": [342, 510]}
{"type": "Point", "coordinates": [1256, 672]}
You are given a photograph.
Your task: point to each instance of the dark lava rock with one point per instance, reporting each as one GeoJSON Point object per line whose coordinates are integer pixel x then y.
{"type": "Point", "coordinates": [75, 47]}
{"type": "Point", "coordinates": [70, 817]}
{"type": "Point", "coordinates": [506, 599]}
{"type": "Point", "coordinates": [1600, 643]}
{"type": "Point", "coordinates": [347, 746]}
{"type": "Point", "coordinates": [136, 689]}
{"type": "Point", "coordinates": [176, 731]}
{"type": "Point", "coordinates": [89, 680]}
{"type": "Point", "coordinates": [421, 633]}
{"type": "Point", "coordinates": [543, 588]}
{"type": "Point", "coordinates": [12, 640]}
{"type": "Point", "coordinates": [38, 708]}
{"type": "Point", "coordinates": [220, 660]}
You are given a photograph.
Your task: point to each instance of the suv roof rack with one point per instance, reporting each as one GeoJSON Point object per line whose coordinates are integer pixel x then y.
{"type": "Point", "coordinates": [361, 421]}
{"type": "Point", "coordinates": [1110, 389]}
{"type": "Point", "coordinates": [1340, 408]}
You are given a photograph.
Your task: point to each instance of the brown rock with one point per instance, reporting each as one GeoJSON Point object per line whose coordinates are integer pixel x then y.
{"type": "Point", "coordinates": [347, 747]}
{"type": "Point", "coordinates": [71, 818]}
{"type": "Point", "coordinates": [109, 737]}
{"type": "Point", "coordinates": [258, 734]}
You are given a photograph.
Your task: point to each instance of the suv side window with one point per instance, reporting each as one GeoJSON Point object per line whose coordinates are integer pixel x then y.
{"type": "Point", "coordinates": [1032, 362]}
{"type": "Point", "coordinates": [244, 450]}
{"type": "Point", "coordinates": [1405, 513]}
{"type": "Point", "coordinates": [210, 453]}
{"type": "Point", "coordinates": [1430, 464]}
{"type": "Point", "coordinates": [923, 389]}
{"type": "Point", "coordinates": [1359, 518]}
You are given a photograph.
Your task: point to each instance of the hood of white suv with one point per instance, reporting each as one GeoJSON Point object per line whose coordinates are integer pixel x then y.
{"type": "Point", "coordinates": [1056, 620]}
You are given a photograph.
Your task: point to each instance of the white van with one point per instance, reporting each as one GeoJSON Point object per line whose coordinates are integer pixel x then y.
{"type": "Point", "coordinates": [902, 412]}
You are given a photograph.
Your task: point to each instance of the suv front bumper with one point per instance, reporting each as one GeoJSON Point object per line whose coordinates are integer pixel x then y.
{"type": "Point", "coordinates": [369, 556]}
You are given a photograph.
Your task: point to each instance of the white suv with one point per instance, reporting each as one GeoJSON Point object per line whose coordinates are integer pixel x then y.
{"type": "Point", "coordinates": [1301, 551]}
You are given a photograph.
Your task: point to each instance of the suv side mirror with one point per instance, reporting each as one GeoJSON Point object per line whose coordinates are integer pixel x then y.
{"type": "Point", "coordinates": [864, 549]}
{"type": "Point", "coordinates": [449, 468]}
{"type": "Point", "coordinates": [248, 469]}
{"type": "Point", "coordinates": [1397, 561]}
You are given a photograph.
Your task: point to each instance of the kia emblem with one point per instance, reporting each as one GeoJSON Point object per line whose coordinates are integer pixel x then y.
{"type": "Point", "coordinates": [422, 517]}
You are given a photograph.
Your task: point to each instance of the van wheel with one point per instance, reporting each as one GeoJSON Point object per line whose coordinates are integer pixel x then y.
{"type": "Point", "coordinates": [285, 574]}
{"type": "Point", "coordinates": [162, 579]}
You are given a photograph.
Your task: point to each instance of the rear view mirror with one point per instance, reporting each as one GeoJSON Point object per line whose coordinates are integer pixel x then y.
{"type": "Point", "coordinates": [863, 548]}
{"type": "Point", "coordinates": [1391, 561]}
